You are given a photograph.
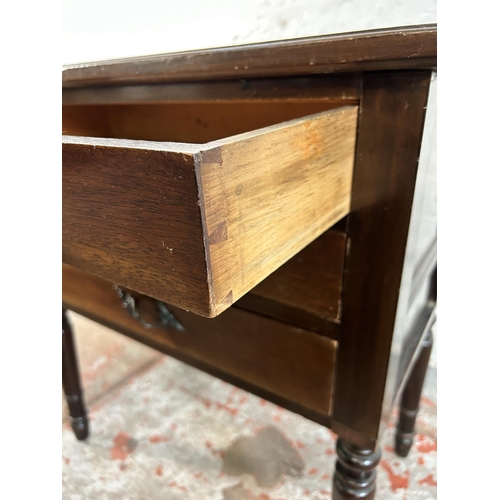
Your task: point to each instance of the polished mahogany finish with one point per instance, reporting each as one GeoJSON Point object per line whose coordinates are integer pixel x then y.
{"type": "Point", "coordinates": [355, 472]}
{"type": "Point", "coordinates": [392, 112]}
{"type": "Point", "coordinates": [395, 48]}
{"type": "Point", "coordinates": [71, 382]}
{"type": "Point", "coordinates": [319, 335]}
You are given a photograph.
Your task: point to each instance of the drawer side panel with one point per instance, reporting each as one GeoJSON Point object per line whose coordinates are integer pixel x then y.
{"type": "Point", "coordinates": [268, 195]}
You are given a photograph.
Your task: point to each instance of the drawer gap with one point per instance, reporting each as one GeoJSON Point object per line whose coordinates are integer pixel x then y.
{"type": "Point", "coordinates": [194, 122]}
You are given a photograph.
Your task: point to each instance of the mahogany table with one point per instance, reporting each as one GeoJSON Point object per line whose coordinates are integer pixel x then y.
{"type": "Point", "coordinates": [265, 213]}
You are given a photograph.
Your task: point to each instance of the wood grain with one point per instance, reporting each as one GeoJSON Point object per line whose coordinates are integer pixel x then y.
{"type": "Point", "coordinates": [273, 308]}
{"type": "Point", "coordinates": [392, 112]}
{"type": "Point", "coordinates": [313, 88]}
{"type": "Point", "coordinates": [306, 290]}
{"type": "Point", "coordinates": [409, 47]}
{"type": "Point", "coordinates": [131, 209]}
{"type": "Point", "coordinates": [312, 279]}
{"type": "Point", "coordinates": [131, 215]}
{"type": "Point", "coordinates": [287, 361]}
{"type": "Point", "coordinates": [71, 382]}
{"type": "Point", "coordinates": [266, 195]}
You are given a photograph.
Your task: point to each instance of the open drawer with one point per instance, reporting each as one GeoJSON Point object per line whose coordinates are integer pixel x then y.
{"type": "Point", "coordinates": [199, 225]}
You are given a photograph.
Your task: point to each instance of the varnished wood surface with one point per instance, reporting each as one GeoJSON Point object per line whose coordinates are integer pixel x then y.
{"type": "Point", "coordinates": [392, 111]}
{"type": "Point", "coordinates": [312, 280]}
{"type": "Point", "coordinates": [312, 88]}
{"type": "Point", "coordinates": [355, 472]}
{"type": "Point", "coordinates": [286, 361]}
{"type": "Point", "coordinates": [415, 295]}
{"type": "Point", "coordinates": [131, 215]}
{"type": "Point", "coordinates": [273, 308]}
{"type": "Point", "coordinates": [131, 209]}
{"type": "Point", "coordinates": [306, 290]}
{"type": "Point", "coordinates": [71, 382]}
{"type": "Point", "coordinates": [392, 107]}
{"type": "Point", "coordinates": [408, 47]}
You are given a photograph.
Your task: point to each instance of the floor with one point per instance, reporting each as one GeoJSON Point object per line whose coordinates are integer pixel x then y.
{"type": "Point", "coordinates": [163, 430]}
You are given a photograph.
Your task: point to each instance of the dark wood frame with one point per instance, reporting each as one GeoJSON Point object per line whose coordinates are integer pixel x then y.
{"type": "Point", "coordinates": [377, 230]}
{"type": "Point", "coordinates": [71, 382]}
{"type": "Point", "coordinates": [408, 47]}
{"type": "Point", "coordinates": [390, 75]}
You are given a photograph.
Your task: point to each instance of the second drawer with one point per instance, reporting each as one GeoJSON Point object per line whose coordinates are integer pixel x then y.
{"type": "Point", "coordinates": [289, 362]}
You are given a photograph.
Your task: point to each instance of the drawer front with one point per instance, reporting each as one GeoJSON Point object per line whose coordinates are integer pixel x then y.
{"type": "Point", "coordinates": [198, 226]}
{"type": "Point", "coordinates": [292, 363]}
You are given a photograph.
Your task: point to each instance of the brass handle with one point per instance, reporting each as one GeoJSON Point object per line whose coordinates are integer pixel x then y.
{"type": "Point", "coordinates": [165, 316]}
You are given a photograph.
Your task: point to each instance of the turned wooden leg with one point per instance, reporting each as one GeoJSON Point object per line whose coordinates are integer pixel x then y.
{"type": "Point", "coordinates": [355, 472]}
{"type": "Point", "coordinates": [71, 382]}
{"type": "Point", "coordinates": [410, 399]}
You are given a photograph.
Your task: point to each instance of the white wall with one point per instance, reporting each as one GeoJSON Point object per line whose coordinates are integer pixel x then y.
{"type": "Point", "coordinates": [104, 29]}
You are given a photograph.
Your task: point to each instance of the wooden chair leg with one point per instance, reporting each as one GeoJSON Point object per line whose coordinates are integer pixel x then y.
{"type": "Point", "coordinates": [355, 472]}
{"type": "Point", "coordinates": [71, 382]}
{"type": "Point", "coordinates": [410, 399]}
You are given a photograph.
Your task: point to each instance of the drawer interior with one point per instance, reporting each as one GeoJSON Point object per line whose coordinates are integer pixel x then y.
{"type": "Point", "coordinates": [191, 122]}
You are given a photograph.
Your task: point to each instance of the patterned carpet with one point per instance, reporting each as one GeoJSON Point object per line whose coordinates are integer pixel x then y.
{"type": "Point", "coordinates": [163, 430]}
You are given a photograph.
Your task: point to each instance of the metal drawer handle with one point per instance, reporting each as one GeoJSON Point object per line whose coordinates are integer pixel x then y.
{"type": "Point", "coordinates": [165, 317]}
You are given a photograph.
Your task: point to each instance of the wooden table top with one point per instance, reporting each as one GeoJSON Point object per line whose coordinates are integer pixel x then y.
{"type": "Point", "coordinates": [409, 47]}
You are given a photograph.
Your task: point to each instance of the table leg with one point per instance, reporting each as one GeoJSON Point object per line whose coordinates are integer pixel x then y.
{"type": "Point", "coordinates": [71, 382]}
{"type": "Point", "coordinates": [355, 472]}
{"type": "Point", "coordinates": [410, 399]}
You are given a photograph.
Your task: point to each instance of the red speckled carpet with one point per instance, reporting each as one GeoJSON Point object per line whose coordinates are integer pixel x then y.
{"type": "Point", "coordinates": [163, 430]}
